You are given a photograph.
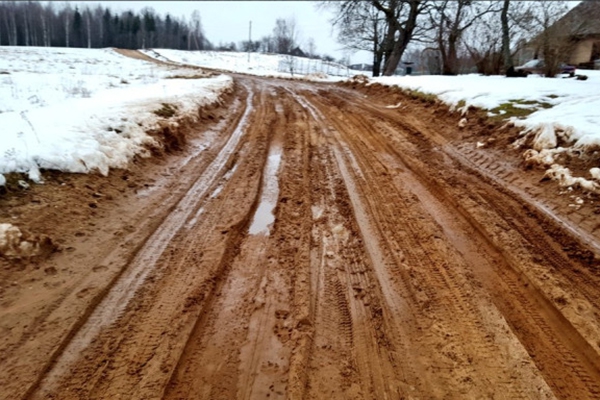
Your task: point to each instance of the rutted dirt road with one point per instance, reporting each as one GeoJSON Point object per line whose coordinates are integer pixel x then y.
{"type": "Point", "coordinates": [323, 246]}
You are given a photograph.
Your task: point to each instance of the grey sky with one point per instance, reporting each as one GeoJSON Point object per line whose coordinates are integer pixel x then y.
{"type": "Point", "coordinates": [227, 21]}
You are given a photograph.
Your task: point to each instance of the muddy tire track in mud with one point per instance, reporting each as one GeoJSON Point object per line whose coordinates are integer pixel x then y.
{"type": "Point", "coordinates": [510, 252]}
{"type": "Point", "coordinates": [331, 248]}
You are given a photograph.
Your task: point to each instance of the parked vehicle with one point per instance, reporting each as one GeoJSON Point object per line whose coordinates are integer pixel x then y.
{"type": "Point", "coordinates": [537, 67]}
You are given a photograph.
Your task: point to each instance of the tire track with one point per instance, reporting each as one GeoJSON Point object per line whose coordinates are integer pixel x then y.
{"type": "Point", "coordinates": [377, 335]}
{"type": "Point", "coordinates": [392, 270]}
{"type": "Point", "coordinates": [552, 328]}
{"type": "Point", "coordinates": [432, 273]}
{"type": "Point", "coordinates": [107, 314]}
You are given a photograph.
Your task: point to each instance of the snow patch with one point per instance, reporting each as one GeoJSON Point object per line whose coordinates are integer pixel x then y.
{"type": "Point", "coordinates": [565, 179]}
{"type": "Point", "coordinates": [544, 157]}
{"type": "Point", "coordinates": [88, 110]}
{"type": "Point", "coordinates": [569, 111]}
{"type": "Point", "coordinates": [589, 142]}
{"type": "Point", "coordinates": [564, 112]}
{"type": "Point", "coordinates": [272, 65]}
{"type": "Point", "coordinates": [545, 137]}
{"type": "Point", "coordinates": [16, 244]}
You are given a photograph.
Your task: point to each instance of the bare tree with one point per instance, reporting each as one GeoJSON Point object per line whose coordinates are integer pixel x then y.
{"type": "Point", "coordinates": [267, 44]}
{"type": "Point", "coordinates": [493, 54]}
{"type": "Point", "coordinates": [311, 47]}
{"type": "Point", "coordinates": [385, 27]}
{"type": "Point", "coordinates": [451, 19]}
{"type": "Point", "coordinates": [552, 42]}
{"type": "Point", "coordinates": [484, 46]}
{"type": "Point", "coordinates": [508, 62]}
{"type": "Point", "coordinates": [250, 46]}
{"type": "Point", "coordinates": [45, 27]}
{"type": "Point", "coordinates": [88, 26]}
{"type": "Point", "coordinates": [401, 19]}
{"type": "Point", "coordinates": [285, 35]}
{"type": "Point", "coordinates": [361, 27]}
{"type": "Point", "coordinates": [67, 21]}
{"type": "Point", "coordinates": [197, 33]}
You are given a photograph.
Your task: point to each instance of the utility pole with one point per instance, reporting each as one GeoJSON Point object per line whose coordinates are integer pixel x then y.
{"type": "Point", "coordinates": [249, 41]}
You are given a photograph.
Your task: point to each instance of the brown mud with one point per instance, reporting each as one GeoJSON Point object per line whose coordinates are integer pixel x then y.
{"type": "Point", "coordinates": [309, 242]}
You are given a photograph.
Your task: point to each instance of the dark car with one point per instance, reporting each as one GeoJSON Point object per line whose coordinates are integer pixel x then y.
{"type": "Point", "coordinates": [537, 67]}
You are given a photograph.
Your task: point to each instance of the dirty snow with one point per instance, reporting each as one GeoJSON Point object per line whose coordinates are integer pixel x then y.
{"type": "Point", "coordinates": [572, 119]}
{"type": "Point", "coordinates": [15, 244]}
{"type": "Point", "coordinates": [276, 65]}
{"type": "Point", "coordinates": [82, 110]}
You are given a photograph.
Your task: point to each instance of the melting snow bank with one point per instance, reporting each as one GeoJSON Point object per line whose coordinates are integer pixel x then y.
{"type": "Point", "coordinates": [566, 111]}
{"type": "Point", "coordinates": [102, 129]}
{"type": "Point", "coordinates": [98, 133]}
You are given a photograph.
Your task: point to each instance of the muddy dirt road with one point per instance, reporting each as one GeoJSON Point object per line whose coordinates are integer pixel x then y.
{"type": "Point", "coordinates": [322, 246]}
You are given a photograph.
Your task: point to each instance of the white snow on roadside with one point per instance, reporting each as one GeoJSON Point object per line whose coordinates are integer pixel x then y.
{"type": "Point", "coordinates": [573, 115]}
{"type": "Point", "coordinates": [276, 65]}
{"type": "Point", "coordinates": [82, 110]}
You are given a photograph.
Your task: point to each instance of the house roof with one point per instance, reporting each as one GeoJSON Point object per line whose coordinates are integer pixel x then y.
{"type": "Point", "coordinates": [583, 19]}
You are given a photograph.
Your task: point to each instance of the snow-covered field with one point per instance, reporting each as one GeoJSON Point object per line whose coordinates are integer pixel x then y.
{"type": "Point", "coordinates": [565, 110]}
{"type": "Point", "coordinates": [81, 110]}
{"type": "Point", "coordinates": [256, 64]}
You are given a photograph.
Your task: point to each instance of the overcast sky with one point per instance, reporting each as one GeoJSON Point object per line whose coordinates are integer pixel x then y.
{"type": "Point", "coordinates": [227, 21]}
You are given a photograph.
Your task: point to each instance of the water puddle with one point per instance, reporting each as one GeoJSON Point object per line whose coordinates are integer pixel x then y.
{"type": "Point", "coordinates": [264, 217]}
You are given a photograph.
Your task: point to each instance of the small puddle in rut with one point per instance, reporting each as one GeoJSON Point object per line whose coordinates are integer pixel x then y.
{"type": "Point", "coordinates": [264, 217]}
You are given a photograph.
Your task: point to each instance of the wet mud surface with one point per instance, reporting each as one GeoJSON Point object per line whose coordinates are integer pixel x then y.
{"type": "Point", "coordinates": [311, 242]}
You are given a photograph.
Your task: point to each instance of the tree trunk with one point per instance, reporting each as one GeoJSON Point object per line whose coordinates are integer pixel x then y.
{"type": "Point", "coordinates": [406, 34]}
{"type": "Point", "coordinates": [15, 37]}
{"type": "Point", "coordinates": [392, 62]}
{"type": "Point", "coordinates": [26, 26]}
{"type": "Point", "coordinates": [450, 58]}
{"type": "Point", "coordinates": [44, 30]}
{"type": "Point", "coordinates": [89, 32]}
{"type": "Point", "coordinates": [377, 58]}
{"type": "Point", "coordinates": [67, 29]}
{"type": "Point", "coordinates": [388, 44]}
{"type": "Point", "coordinates": [508, 62]}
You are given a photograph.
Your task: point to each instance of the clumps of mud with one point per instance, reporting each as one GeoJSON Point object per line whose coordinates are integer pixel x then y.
{"type": "Point", "coordinates": [173, 131]}
{"type": "Point", "coordinates": [16, 244]}
{"type": "Point", "coordinates": [171, 136]}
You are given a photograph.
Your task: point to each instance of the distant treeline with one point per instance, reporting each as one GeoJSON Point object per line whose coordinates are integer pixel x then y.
{"type": "Point", "coordinates": [62, 25]}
